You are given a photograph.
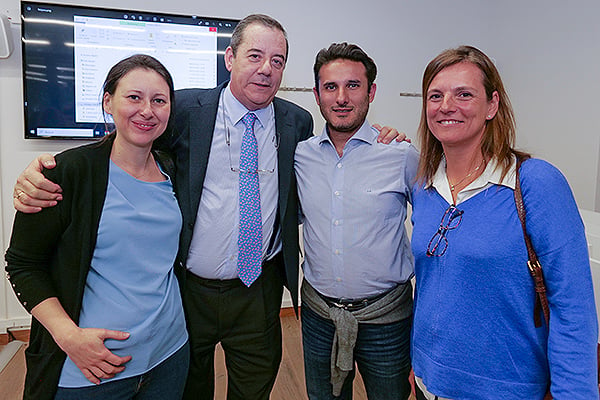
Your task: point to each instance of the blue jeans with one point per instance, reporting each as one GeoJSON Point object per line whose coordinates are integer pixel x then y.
{"type": "Point", "coordinates": [382, 354]}
{"type": "Point", "coordinates": [165, 382]}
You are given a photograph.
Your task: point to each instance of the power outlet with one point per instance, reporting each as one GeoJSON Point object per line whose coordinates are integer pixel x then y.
{"type": "Point", "coordinates": [6, 41]}
{"type": "Point", "coordinates": [13, 14]}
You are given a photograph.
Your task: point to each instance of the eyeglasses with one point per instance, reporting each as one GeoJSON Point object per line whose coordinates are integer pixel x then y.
{"type": "Point", "coordinates": [439, 242]}
{"type": "Point", "coordinates": [274, 140]}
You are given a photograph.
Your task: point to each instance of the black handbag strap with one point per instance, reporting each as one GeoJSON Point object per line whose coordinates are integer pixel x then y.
{"type": "Point", "coordinates": [535, 268]}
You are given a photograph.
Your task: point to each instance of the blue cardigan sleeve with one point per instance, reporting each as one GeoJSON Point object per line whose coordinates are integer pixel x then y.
{"type": "Point", "coordinates": [558, 237]}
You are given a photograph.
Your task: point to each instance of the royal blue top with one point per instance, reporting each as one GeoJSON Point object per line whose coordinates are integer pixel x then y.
{"type": "Point", "coordinates": [474, 335]}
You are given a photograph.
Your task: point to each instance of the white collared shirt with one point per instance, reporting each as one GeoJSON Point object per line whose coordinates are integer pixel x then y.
{"type": "Point", "coordinates": [490, 176]}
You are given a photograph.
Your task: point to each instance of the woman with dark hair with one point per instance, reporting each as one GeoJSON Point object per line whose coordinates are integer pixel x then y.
{"type": "Point", "coordinates": [475, 333]}
{"type": "Point", "coordinates": [96, 271]}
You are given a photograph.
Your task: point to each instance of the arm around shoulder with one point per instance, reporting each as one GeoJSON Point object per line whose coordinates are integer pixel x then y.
{"type": "Point", "coordinates": [33, 191]}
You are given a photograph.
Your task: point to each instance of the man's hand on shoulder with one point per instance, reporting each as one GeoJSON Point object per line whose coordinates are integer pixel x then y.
{"type": "Point", "coordinates": [387, 134]}
{"type": "Point", "coordinates": [33, 191]}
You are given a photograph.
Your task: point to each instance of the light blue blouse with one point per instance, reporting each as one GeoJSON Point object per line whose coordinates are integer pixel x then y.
{"type": "Point", "coordinates": [131, 285]}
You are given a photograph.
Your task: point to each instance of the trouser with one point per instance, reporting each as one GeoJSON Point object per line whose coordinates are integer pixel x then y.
{"type": "Point", "coordinates": [382, 354]}
{"type": "Point", "coordinates": [163, 382]}
{"type": "Point", "coordinates": [245, 320]}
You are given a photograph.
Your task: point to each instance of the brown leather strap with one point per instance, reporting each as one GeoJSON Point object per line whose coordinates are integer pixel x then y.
{"type": "Point", "coordinates": [535, 268]}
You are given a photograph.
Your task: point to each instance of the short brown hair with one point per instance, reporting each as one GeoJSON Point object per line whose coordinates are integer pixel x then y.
{"type": "Point", "coordinates": [126, 65]}
{"type": "Point", "coordinates": [237, 37]}
{"type": "Point", "coordinates": [344, 51]}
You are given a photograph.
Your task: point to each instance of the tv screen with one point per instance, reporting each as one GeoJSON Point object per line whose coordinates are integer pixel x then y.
{"type": "Point", "coordinates": [68, 50]}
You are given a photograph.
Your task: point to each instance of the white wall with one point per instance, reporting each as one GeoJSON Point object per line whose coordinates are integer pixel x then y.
{"type": "Point", "coordinates": [547, 52]}
{"type": "Point", "coordinates": [550, 53]}
{"type": "Point", "coordinates": [597, 208]}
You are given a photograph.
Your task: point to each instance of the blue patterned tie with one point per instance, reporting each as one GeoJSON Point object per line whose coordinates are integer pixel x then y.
{"type": "Point", "coordinates": [250, 237]}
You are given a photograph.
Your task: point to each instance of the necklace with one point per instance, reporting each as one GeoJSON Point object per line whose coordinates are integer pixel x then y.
{"type": "Point", "coordinates": [452, 187]}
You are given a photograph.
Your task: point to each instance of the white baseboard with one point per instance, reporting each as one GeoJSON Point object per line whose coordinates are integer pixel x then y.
{"type": "Point", "coordinates": [8, 352]}
{"type": "Point", "coordinates": [13, 323]}
{"type": "Point", "coordinates": [286, 301]}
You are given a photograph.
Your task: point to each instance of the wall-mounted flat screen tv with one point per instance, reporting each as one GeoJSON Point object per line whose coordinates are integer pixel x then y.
{"type": "Point", "coordinates": [68, 50]}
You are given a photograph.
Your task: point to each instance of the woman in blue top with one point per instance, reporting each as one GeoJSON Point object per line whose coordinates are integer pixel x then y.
{"type": "Point", "coordinates": [474, 335]}
{"type": "Point", "coordinates": [96, 271]}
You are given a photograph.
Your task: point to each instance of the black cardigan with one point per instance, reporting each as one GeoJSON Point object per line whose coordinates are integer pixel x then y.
{"type": "Point", "coordinates": [50, 253]}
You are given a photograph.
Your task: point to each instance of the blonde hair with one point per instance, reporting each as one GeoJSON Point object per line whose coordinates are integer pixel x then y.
{"type": "Point", "coordinates": [499, 135]}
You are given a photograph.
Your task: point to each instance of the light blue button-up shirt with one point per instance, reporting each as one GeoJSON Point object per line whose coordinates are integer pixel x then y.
{"type": "Point", "coordinates": [353, 211]}
{"type": "Point", "coordinates": [214, 248]}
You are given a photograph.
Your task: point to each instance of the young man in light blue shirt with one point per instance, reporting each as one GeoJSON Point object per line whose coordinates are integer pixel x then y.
{"type": "Point", "coordinates": [357, 295]}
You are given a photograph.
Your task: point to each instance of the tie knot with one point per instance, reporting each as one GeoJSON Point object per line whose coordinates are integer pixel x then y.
{"type": "Point", "coordinates": [249, 119]}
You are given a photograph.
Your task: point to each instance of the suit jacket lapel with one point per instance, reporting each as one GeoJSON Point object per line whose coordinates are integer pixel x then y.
{"type": "Point", "coordinates": [285, 157]}
{"type": "Point", "coordinates": [201, 129]}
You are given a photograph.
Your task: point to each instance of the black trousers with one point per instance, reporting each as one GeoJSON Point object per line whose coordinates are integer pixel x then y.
{"type": "Point", "coordinates": [245, 320]}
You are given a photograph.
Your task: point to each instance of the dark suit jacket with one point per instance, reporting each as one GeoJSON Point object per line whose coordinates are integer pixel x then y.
{"type": "Point", "coordinates": [189, 138]}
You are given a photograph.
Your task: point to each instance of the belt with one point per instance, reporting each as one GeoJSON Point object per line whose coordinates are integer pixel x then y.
{"type": "Point", "coordinates": [229, 283]}
{"type": "Point", "coordinates": [352, 304]}
{"type": "Point", "coordinates": [214, 283]}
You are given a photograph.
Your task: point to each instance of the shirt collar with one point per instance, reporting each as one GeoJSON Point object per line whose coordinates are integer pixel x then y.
{"type": "Point", "coordinates": [495, 173]}
{"type": "Point", "coordinates": [366, 133]}
{"type": "Point", "coordinates": [490, 176]}
{"type": "Point", "coordinates": [235, 110]}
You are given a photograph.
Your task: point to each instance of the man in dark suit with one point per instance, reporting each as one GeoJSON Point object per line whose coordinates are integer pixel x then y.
{"type": "Point", "coordinates": [206, 136]}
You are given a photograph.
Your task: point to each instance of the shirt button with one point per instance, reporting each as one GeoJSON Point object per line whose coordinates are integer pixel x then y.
{"type": "Point", "coordinates": [337, 252]}
{"type": "Point", "coordinates": [337, 192]}
{"type": "Point", "coordinates": [339, 165]}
